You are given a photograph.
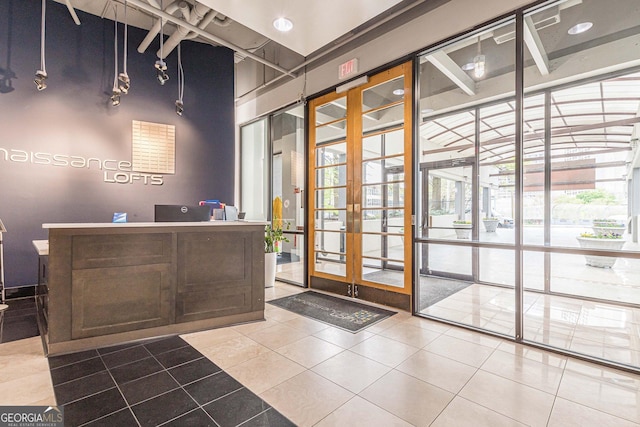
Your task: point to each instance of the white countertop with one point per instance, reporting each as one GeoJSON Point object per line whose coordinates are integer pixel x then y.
{"type": "Point", "coordinates": [153, 224]}
{"type": "Point", "coordinates": [42, 246]}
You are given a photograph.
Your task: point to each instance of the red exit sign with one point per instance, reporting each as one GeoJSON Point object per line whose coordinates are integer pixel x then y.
{"type": "Point", "coordinates": [348, 69]}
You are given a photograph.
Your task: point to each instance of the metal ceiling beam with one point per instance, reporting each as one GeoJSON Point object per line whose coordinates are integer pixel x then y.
{"type": "Point", "coordinates": [535, 46]}
{"type": "Point", "coordinates": [160, 13]}
{"type": "Point", "coordinates": [449, 68]}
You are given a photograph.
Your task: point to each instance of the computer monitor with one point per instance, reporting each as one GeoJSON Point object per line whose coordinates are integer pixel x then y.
{"type": "Point", "coordinates": [182, 213]}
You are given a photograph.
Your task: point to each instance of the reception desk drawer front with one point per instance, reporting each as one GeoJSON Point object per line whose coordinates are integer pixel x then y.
{"type": "Point", "coordinates": [96, 251]}
{"type": "Point", "coordinates": [120, 299]}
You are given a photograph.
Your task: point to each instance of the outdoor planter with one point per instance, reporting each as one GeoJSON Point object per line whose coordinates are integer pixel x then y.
{"type": "Point", "coordinates": [462, 229]}
{"type": "Point", "coordinates": [603, 226]}
{"type": "Point", "coordinates": [490, 224]}
{"type": "Point", "coordinates": [599, 241]}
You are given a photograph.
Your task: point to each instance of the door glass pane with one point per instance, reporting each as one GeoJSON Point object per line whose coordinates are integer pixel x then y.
{"type": "Point", "coordinates": [254, 179]}
{"type": "Point", "coordinates": [383, 170]}
{"type": "Point", "coordinates": [333, 176]}
{"type": "Point", "coordinates": [392, 116]}
{"type": "Point", "coordinates": [388, 195]}
{"type": "Point", "coordinates": [383, 94]}
{"type": "Point", "coordinates": [384, 144]}
{"type": "Point", "coordinates": [334, 198]}
{"type": "Point", "coordinates": [332, 111]}
{"type": "Point", "coordinates": [331, 154]}
{"type": "Point", "coordinates": [331, 132]}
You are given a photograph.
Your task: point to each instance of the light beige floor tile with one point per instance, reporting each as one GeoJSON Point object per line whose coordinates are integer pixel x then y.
{"type": "Point", "coordinates": [474, 337]}
{"type": "Point", "coordinates": [249, 328]}
{"type": "Point", "coordinates": [234, 352]}
{"type": "Point", "coordinates": [277, 336]}
{"type": "Point", "coordinates": [342, 338]}
{"type": "Point", "coordinates": [603, 373]}
{"type": "Point", "coordinates": [460, 350]}
{"type": "Point", "coordinates": [17, 366]}
{"type": "Point", "coordinates": [525, 371]}
{"type": "Point", "coordinates": [309, 351]}
{"type": "Point", "coordinates": [437, 370]}
{"type": "Point", "coordinates": [47, 401]}
{"type": "Point", "coordinates": [306, 398]}
{"type": "Point", "coordinates": [359, 412]}
{"type": "Point", "coordinates": [615, 396]}
{"type": "Point", "coordinates": [407, 397]}
{"type": "Point", "coordinates": [411, 335]}
{"type": "Point", "coordinates": [569, 414]}
{"type": "Point", "coordinates": [305, 324]}
{"type": "Point", "coordinates": [385, 324]}
{"type": "Point", "coordinates": [537, 355]}
{"type": "Point", "coordinates": [278, 314]}
{"type": "Point", "coordinates": [384, 350]}
{"type": "Point", "coordinates": [263, 372]}
{"type": "Point", "coordinates": [26, 347]}
{"type": "Point", "coordinates": [464, 413]}
{"type": "Point", "coordinates": [211, 337]}
{"type": "Point", "coordinates": [518, 401]}
{"type": "Point", "coordinates": [428, 324]}
{"type": "Point", "coordinates": [351, 371]}
{"type": "Point", "coordinates": [26, 390]}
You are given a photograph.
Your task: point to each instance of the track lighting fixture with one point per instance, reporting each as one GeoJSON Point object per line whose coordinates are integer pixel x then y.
{"type": "Point", "coordinates": [123, 78]}
{"type": "Point", "coordinates": [479, 63]}
{"type": "Point", "coordinates": [41, 75]}
{"type": "Point", "coordinates": [161, 67]}
{"type": "Point", "coordinates": [179, 103]}
{"type": "Point", "coordinates": [41, 80]}
{"type": "Point", "coordinates": [115, 92]}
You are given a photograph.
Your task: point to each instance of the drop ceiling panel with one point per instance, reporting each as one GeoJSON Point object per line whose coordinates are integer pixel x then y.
{"type": "Point", "coordinates": [316, 22]}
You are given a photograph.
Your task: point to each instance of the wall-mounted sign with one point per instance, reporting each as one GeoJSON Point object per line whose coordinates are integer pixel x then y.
{"type": "Point", "coordinates": [348, 69]}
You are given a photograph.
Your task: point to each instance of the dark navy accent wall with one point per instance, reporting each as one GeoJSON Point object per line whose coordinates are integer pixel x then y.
{"type": "Point", "coordinates": [74, 120]}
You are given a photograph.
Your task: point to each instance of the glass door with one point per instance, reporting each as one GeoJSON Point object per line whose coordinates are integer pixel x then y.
{"type": "Point", "coordinates": [360, 144]}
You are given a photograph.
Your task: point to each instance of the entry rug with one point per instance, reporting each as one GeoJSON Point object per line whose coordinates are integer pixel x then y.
{"type": "Point", "coordinates": [348, 315]}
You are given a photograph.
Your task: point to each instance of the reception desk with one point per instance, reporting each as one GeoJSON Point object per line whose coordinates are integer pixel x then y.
{"type": "Point", "coordinates": [104, 284]}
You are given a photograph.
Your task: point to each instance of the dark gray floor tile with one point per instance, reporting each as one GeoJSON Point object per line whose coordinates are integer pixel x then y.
{"type": "Point", "coordinates": [163, 408]}
{"type": "Point", "coordinates": [213, 387]}
{"type": "Point", "coordinates": [133, 371]}
{"type": "Point", "coordinates": [76, 370]}
{"type": "Point", "coordinates": [114, 348]}
{"type": "Point", "coordinates": [93, 407]}
{"type": "Point", "coordinates": [194, 370]}
{"type": "Point", "coordinates": [128, 355]}
{"type": "Point", "coordinates": [83, 387]}
{"type": "Point", "coordinates": [269, 418]}
{"type": "Point", "coordinates": [165, 344]}
{"type": "Point", "coordinates": [194, 418]}
{"type": "Point", "coordinates": [148, 387]}
{"type": "Point", "coordinates": [236, 408]}
{"type": "Point", "coordinates": [123, 418]}
{"type": "Point", "coordinates": [20, 327]}
{"type": "Point", "coordinates": [177, 357]}
{"type": "Point", "coordinates": [68, 359]}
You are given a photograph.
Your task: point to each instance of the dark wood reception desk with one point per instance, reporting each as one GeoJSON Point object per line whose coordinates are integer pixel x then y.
{"type": "Point", "coordinates": [103, 284]}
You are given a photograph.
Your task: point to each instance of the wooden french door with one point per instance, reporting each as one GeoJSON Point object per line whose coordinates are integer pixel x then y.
{"type": "Point", "coordinates": [360, 190]}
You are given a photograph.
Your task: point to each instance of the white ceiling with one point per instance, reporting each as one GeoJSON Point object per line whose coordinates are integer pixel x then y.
{"type": "Point", "coordinates": [316, 22]}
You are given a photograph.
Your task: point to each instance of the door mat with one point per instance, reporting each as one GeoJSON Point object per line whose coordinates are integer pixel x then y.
{"type": "Point", "coordinates": [348, 315]}
{"type": "Point", "coordinates": [434, 290]}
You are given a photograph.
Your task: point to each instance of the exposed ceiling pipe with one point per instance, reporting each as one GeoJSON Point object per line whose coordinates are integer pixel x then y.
{"type": "Point", "coordinates": [224, 22]}
{"type": "Point", "coordinates": [193, 17]}
{"type": "Point", "coordinates": [208, 36]}
{"type": "Point", "coordinates": [203, 24]}
{"type": "Point", "coordinates": [331, 49]}
{"type": "Point", "coordinates": [72, 11]}
{"type": "Point", "coordinates": [153, 32]}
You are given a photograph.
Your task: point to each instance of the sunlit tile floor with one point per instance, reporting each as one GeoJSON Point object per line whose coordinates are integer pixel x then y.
{"type": "Point", "coordinates": [402, 371]}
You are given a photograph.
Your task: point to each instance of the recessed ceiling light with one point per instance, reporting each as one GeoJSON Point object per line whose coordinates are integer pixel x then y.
{"type": "Point", "coordinates": [468, 66]}
{"type": "Point", "coordinates": [283, 24]}
{"type": "Point", "coordinates": [398, 92]}
{"type": "Point", "coordinates": [580, 28]}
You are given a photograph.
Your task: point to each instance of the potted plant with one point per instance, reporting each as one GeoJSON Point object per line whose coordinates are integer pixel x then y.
{"type": "Point", "coordinates": [603, 226]}
{"type": "Point", "coordinates": [603, 241]}
{"type": "Point", "coordinates": [273, 235]}
{"type": "Point", "coordinates": [462, 229]}
{"type": "Point", "coordinates": [490, 224]}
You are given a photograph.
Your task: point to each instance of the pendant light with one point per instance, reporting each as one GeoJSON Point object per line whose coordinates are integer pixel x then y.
{"type": "Point", "coordinates": [124, 81]}
{"type": "Point", "coordinates": [160, 65]}
{"type": "Point", "coordinates": [41, 75]}
{"type": "Point", "coordinates": [479, 63]}
{"type": "Point", "coordinates": [116, 92]}
{"type": "Point", "coordinates": [179, 103]}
